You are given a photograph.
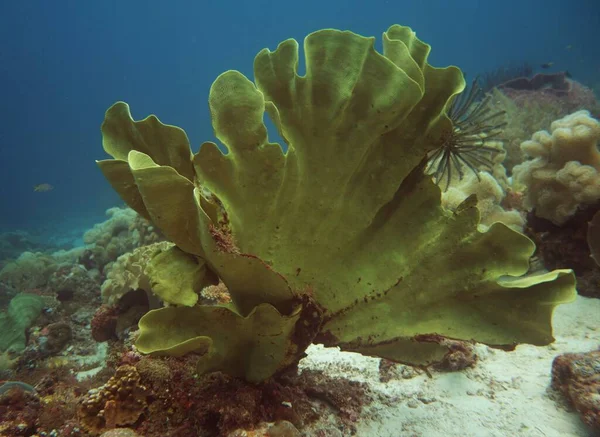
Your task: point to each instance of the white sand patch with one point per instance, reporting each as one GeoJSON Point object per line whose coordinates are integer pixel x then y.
{"type": "Point", "coordinates": [505, 394]}
{"type": "Point", "coordinates": [91, 364]}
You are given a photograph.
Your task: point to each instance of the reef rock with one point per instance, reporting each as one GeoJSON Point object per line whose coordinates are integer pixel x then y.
{"type": "Point", "coordinates": [577, 376]}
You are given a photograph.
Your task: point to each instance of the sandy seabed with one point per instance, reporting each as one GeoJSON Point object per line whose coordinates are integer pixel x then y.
{"type": "Point", "coordinates": [505, 394]}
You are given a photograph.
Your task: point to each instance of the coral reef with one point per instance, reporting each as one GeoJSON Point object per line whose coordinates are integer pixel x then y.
{"type": "Point", "coordinates": [490, 200]}
{"type": "Point", "coordinates": [503, 74]}
{"type": "Point", "coordinates": [215, 294]}
{"type": "Point", "coordinates": [121, 233]}
{"type": "Point", "coordinates": [282, 231]}
{"type": "Point", "coordinates": [493, 191]}
{"type": "Point", "coordinates": [7, 362]}
{"type": "Point", "coordinates": [552, 90]}
{"type": "Point", "coordinates": [262, 243]}
{"type": "Point", "coordinates": [59, 393]}
{"type": "Point", "coordinates": [29, 271]}
{"type": "Point", "coordinates": [529, 111]}
{"type": "Point", "coordinates": [462, 355]}
{"type": "Point", "coordinates": [128, 272]}
{"type": "Point", "coordinates": [22, 311]}
{"type": "Point", "coordinates": [120, 432]}
{"type": "Point", "coordinates": [180, 403]}
{"type": "Point", "coordinates": [59, 336]}
{"type": "Point", "coordinates": [147, 268]}
{"type": "Point", "coordinates": [19, 411]}
{"type": "Point", "coordinates": [562, 173]}
{"type": "Point", "coordinates": [593, 236]}
{"type": "Point", "coordinates": [104, 323]}
{"type": "Point", "coordinates": [555, 84]}
{"type": "Point", "coordinates": [568, 246]}
{"type": "Point", "coordinates": [72, 283]}
{"type": "Point", "coordinates": [577, 376]}
{"type": "Point", "coordinates": [283, 428]}
{"type": "Point", "coordinates": [115, 321]}
{"type": "Point", "coordinates": [69, 291]}
{"type": "Point", "coordinates": [33, 271]}
{"type": "Point", "coordinates": [119, 402]}
{"type": "Point", "coordinates": [54, 338]}
{"type": "Point", "coordinates": [14, 243]}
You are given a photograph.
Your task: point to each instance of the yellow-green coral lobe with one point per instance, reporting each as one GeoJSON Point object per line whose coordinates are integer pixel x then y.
{"type": "Point", "coordinates": [345, 220]}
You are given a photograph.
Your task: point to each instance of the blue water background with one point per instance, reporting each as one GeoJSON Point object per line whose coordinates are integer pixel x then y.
{"type": "Point", "coordinates": [63, 63]}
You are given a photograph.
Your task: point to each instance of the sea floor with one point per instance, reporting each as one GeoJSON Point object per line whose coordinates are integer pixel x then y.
{"type": "Point", "coordinates": [504, 394]}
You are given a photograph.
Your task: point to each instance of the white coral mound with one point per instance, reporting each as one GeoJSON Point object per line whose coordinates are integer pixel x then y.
{"type": "Point", "coordinates": [564, 170]}
{"type": "Point", "coordinates": [490, 195]}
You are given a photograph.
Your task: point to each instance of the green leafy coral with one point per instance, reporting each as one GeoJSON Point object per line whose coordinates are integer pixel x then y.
{"type": "Point", "coordinates": [342, 239]}
{"type": "Point", "coordinates": [22, 311]}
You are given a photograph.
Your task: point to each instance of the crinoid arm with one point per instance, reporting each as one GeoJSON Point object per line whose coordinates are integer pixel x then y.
{"type": "Point", "coordinates": [475, 126]}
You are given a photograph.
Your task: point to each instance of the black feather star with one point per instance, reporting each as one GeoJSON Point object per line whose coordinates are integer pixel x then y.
{"type": "Point", "coordinates": [474, 124]}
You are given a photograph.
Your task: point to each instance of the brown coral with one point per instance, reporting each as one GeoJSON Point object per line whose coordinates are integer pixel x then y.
{"type": "Point", "coordinates": [577, 376]}
{"type": "Point", "coordinates": [120, 432]}
{"type": "Point", "coordinates": [461, 354]}
{"type": "Point", "coordinates": [104, 323]}
{"type": "Point", "coordinates": [57, 336]}
{"type": "Point", "coordinates": [18, 412]}
{"type": "Point", "coordinates": [566, 246]}
{"type": "Point", "coordinates": [181, 404]}
{"type": "Point", "coordinates": [121, 401]}
{"type": "Point", "coordinates": [216, 294]}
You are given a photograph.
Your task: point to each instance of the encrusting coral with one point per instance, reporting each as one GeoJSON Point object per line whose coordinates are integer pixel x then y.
{"type": "Point", "coordinates": [563, 172]}
{"type": "Point", "coordinates": [119, 402]}
{"type": "Point", "coordinates": [338, 238]}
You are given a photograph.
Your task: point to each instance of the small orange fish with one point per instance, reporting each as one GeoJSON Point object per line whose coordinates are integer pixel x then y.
{"type": "Point", "coordinates": [41, 188]}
